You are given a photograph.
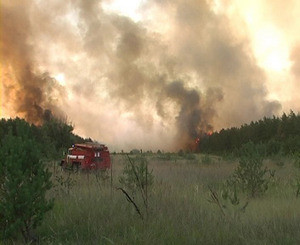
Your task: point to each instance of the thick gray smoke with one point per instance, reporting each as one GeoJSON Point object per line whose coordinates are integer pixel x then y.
{"type": "Point", "coordinates": [206, 44]}
{"type": "Point", "coordinates": [26, 91]}
{"type": "Point", "coordinates": [124, 79]}
{"type": "Point", "coordinates": [194, 116]}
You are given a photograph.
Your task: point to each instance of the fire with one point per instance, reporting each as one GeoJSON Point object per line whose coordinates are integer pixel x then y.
{"type": "Point", "coordinates": [209, 133]}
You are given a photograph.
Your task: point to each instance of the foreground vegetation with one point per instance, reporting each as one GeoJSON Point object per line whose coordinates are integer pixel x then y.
{"type": "Point", "coordinates": [88, 210]}
{"type": "Point", "coordinates": [163, 198]}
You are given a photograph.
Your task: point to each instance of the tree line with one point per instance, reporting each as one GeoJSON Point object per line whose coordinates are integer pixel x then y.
{"type": "Point", "coordinates": [276, 135]}
{"type": "Point", "coordinates": [53, 137]}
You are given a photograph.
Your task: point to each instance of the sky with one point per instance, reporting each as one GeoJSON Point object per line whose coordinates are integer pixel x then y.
{"type": "Point", "coordinates": [151, 74]}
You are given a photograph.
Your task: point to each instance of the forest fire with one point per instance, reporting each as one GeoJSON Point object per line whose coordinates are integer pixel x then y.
{"type": "Point", "coordinates": [209, 133]}
{"type": "Point", "coordinates": [200, 138]}
{"type": "Point", "coordinates": [142, 75]}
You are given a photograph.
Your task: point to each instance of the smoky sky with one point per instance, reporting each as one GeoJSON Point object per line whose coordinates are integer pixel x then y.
{"type": "Point", "coordinates": [126, 83]}
{"type": "Point", "coordinates": [26, 91]}
{"type": "Point", "coordinates": [295, 56]}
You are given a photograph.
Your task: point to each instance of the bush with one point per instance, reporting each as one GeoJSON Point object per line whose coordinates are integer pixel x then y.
{"type": "Point", "coordinates": [134, 174]}
{"type": "Point", "coordinates": [250, 174]}
{"type": "Point", "coordinates": [190, 156]}
{"type": "Point", "coordinates": [23, 185]}
{"type": "Point", "coordinates": [165, 156]}
{"type": "Point", "coordinates": [273, 147]}
{"type": "Point", "coordinates": [180, 153]}
{"type": "Point", "coordinates": [297, 160]}
{"type": "Point", "coordinates": [135, 151]}
{"type": "Point", "coordinates": [206, 159]}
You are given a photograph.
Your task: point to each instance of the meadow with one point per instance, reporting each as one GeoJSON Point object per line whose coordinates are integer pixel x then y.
{"type": "Point", "coordinates": [184, 205]}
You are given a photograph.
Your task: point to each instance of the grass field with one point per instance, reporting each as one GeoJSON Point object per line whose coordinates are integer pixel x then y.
{"type": "Point", "coordinates": [88, 210]}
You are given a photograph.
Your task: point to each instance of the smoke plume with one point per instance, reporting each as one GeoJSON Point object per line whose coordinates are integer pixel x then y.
{"type": "Point", "coordinates": [27, 92]}
{"type": "Point", "coordinates": [128, 83]}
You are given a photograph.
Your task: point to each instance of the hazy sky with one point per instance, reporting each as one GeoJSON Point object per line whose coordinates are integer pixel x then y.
{"type": "Point", "coordinates": [150, 74]}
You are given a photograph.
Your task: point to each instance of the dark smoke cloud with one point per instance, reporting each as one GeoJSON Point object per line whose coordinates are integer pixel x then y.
{"type": "Point", "coordinates": [209, 46]}
{"type": "Point", "coordinates": [192, 119]}
{"type": "Point", "coordinates": [198, 77]}
{"type": "Point", "coordinates": [29, 92]}
{"type": "Point", "coordinates": [135, 79]}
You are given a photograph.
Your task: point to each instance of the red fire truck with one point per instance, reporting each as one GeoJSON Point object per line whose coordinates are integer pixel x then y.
{"type": "Point", "coordinates": [87, 156]}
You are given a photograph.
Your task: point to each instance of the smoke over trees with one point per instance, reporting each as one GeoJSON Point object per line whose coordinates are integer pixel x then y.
{"type": "Point", "coordinates": [129, 78]}
{"type": "Point", "coordinates": [26, 91]}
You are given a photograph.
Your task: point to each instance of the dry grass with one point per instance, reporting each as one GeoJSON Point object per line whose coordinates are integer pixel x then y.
{"type": "Point", "coordinates": [179, 212]}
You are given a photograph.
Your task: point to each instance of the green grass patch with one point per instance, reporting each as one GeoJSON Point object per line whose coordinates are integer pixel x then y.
{"type": "Point", "coordinates": [179, 210]}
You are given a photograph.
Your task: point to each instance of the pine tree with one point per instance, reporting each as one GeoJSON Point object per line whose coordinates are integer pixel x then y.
{"type": "Point", "coordinates": [24, 182]}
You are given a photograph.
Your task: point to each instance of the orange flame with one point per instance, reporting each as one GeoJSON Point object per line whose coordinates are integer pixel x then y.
{"type": "Point", "coordinates": [209, 133]}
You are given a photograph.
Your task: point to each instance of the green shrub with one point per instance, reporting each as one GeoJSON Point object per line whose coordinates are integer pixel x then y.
{"type": "Point", "coordinates": [228, 157]}
{"type": "Point", "coordinates": [206, 159]}
{"type": "Point", "coordinates": [64, 183]}
{"type": "Point", "coordinates": [250, 174]}
{"type": "Point", "coordinates": [134, 174]}
{"type": "Point", "coordinates": [297, 160]}
{"type": "Point", "coordinates": [24, 182]}
{"type": "Point", "coordinates": [273, 147]}
{"type": "Point", "coordinates": [297, 179]}
{"type": "Point", "coordinates": [135, 151]}
{"type": "Point", "coordinates": [190, 156]}
{"type": "Point", "coordinates": [165, 156]}
{"type": "Point", "coordinates": [180, 153]}
{"type": "Point", "coordinates": [228, 201]}
{"type": "Point", "coordinates": [136, 178]}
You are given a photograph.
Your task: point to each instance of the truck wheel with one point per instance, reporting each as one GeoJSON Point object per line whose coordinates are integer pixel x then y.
{"type": "Point", "coordinates": [76, 167]}
{"type": "Point", "coordinates": [63, 165]}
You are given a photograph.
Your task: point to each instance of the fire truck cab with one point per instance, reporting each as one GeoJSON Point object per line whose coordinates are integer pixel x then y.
{"type": "Point", "coordinates": [87, 156]}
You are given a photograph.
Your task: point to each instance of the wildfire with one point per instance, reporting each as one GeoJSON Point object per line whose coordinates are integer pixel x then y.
{"type": "Point", "coordinates": [209, 133]}
{"type": "Point", "coordinates": [197, 140]}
